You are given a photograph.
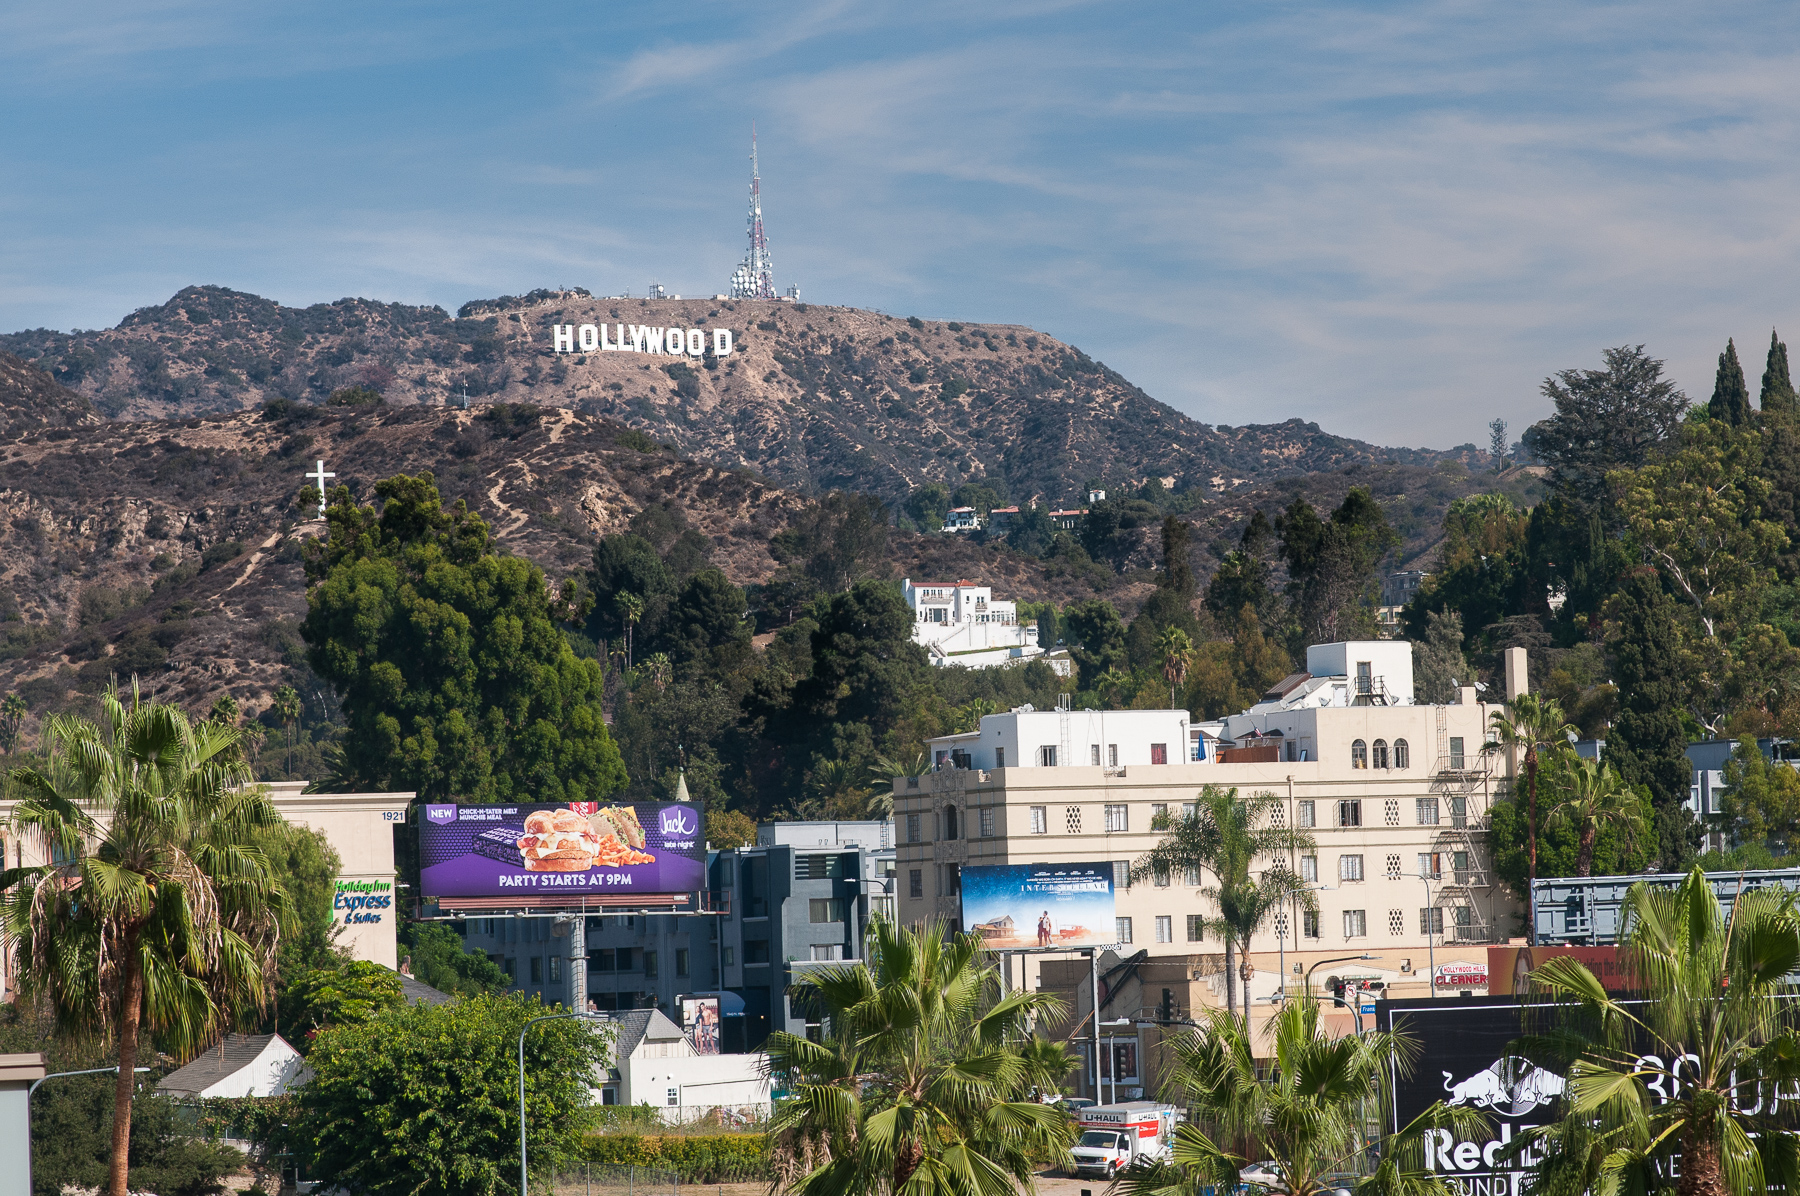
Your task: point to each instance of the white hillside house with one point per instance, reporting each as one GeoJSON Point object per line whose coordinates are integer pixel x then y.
{"type": "Point", "coordinates": [962, 623]}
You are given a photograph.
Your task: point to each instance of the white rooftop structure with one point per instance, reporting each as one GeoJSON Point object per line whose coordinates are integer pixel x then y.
{"type": "Point", "coordinates": [962, 623]}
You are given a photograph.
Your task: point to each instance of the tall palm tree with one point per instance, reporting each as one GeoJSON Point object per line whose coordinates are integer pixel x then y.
{"type": "Point", "coordinates": [1176, 648]}
{"type": "Point", "coordinates": [1226, 835]}
{"type": "Point", "coordinates": [631, 609]}
{"type": "Point", "coordinates": [287, 709]}
{"type": "Point", "coordinates": [1535, 724]}
{"type": "Point", "coordinates": [881, 781]}
{"type": "Point", "coordinates": [1307, 1115]}
{"type": "Point", "coordinates": [1590, 795]}
{"type": "Point", "coordinates": [158, 913]}
{"type": "Point", "coordinates": [1108, 685]}
{"type": "Point", "coordinates": [1713, 1041]}
{"type": "Point", "coordinates": [923, 1080]}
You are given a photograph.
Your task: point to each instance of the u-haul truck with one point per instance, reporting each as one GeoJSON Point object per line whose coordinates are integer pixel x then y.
{"type": "Point", "coordinates": [1115, 1136]}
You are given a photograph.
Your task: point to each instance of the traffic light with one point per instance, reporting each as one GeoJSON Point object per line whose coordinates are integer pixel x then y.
{"type": "Point", "coordinates": [1336, 986]}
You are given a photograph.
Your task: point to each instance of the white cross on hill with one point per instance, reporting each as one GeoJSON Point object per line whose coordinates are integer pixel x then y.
{"type": "Point", "coordinates": [319, 475]}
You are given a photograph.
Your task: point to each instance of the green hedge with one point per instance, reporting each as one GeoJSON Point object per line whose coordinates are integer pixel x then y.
{"type": "Point", "coordinates": [697, 1158]}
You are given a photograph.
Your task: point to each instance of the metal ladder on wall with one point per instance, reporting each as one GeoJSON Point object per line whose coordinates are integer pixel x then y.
{"type": "Point", "coordinates": [1067, 758]}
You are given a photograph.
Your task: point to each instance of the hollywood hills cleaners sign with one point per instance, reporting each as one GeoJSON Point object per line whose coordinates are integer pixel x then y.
{"type": "Point", "coordinates": [639, 338]}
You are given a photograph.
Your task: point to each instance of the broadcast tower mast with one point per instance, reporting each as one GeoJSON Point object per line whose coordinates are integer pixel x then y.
{"type": "Point", "coordinates": [755, 279]}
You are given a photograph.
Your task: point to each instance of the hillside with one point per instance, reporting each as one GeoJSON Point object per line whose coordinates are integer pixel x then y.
{"type": "Point", "coordinates": [31, 400]}
{"type": "Point", "coordinates": [814, 398]}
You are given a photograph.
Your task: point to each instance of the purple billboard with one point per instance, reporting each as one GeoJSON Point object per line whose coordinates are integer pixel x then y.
{"type": "Point", "coordinates": [573, 850]}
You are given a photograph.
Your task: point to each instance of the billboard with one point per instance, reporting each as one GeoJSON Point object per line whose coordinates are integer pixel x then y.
{"type": "Point", "coordinates": [1510, 968]}
{"type": "Point", "coordinates": [700, 1017]}
{"type": "Point", "coordinates": [1023, 907]}
{"type": "Point", "coordinates": [568, 850]}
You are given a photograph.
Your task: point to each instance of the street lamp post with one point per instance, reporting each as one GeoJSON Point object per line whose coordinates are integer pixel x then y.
{"type": "Point", "coordinates": [1338, 959]}
{"type": "Point", "coordinates": [548, 1017]}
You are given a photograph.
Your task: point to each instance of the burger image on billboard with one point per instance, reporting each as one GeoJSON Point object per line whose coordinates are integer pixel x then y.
{"type": "Point", "coordinates": [498, 851]}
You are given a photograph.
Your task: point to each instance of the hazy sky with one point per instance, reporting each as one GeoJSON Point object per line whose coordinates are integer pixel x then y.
{"type": "Point", "coordinates": [1393, 219]}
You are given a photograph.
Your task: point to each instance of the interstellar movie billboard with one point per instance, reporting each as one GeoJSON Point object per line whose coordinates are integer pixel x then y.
{"type": "Point", "coordinates": [571, 850]}
{"type": "Point", "coordinates": [1023, 907]}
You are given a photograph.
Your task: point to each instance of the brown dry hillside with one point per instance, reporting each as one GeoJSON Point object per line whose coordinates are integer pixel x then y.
{"type": "Point", "coordinates": [814, 397]}
{"type": "Point", "coordinates": [30, 400]}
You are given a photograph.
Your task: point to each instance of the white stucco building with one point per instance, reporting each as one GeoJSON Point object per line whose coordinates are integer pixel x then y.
{"type": "Point", "coordinates": [655, 1064]}
{"type": "Point", "coordinates": [962, 623]}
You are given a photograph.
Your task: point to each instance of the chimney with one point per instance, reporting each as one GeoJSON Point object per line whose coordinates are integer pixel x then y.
{"type": "Point", "coordinates": [1518, 678]}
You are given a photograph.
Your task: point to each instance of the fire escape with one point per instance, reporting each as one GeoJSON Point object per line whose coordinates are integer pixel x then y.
{"type": "Point", "coordinates": [1463, 884]}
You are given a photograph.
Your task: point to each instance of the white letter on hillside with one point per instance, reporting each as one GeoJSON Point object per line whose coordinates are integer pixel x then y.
{"type": "Point", "coordinates": [590, 338]}
{"type": "Point", "coordinates": [606, 346]}
{"type": "Point", "coordinates": [637, 332]}
{"type": "Point", "coordinates": [721, 342]}
{"type": "Point", "coordinates": [653, 340]}
{"type": "Point", "coordinates": [564, 335]}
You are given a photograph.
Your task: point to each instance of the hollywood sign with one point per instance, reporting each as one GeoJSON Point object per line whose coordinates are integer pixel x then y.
{"type": "Point", "coordinates": [638, 338]}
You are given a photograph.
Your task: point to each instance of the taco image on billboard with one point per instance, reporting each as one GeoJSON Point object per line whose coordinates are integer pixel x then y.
{"type": "Point", "coordinates": [558, 841]}
{"type": "Point", "coordinates": [621, 822]}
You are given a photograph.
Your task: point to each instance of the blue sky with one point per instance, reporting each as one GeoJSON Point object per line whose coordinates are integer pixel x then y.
{"type": "Point", "coordinates": [1394, 219]}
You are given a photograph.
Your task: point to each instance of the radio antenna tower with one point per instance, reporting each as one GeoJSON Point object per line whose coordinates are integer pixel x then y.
{"type": "Point", "coordinates": [755, 279]}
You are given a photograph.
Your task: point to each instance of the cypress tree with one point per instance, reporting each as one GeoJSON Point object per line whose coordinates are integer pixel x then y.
{"type": "Point", "coordinates": [1777, 387]}
{"type": "Point", "coordinates": [1731, 397]}
{"type": "Point", "coordinates": [1647, 743]}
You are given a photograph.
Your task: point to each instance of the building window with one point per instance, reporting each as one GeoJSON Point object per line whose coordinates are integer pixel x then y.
{"type": "Point", "coordinates": [1112, 755]}
{"type": "Point", "coordinates": [1047, 757]}
{"type": "Point", "coordinates": [1431, 865]}
{"type": "Point", "coordinates": [1278, 817]}
{"type": "Point", "coordinates": [756, 951]}
{"type": "Point", "coordinates": [1459, 863]}
{"type": "Point", "coordinates": [681, 961]}
{"type": "Point", "coordinates": [1159, 753]}
{"type": "Point", "coordinates": [824, 952]}
{"type": "Point", "coordinates": [1393, 865]}
{"type": "Point", "coordinates": [674, 1099]}
{"type": "Point", "coordinates": [556, 969]}
{"type": "Point", "coordinates": [820, 909]}
{"type": "Point", "coordinates": [1165, 928]}
{"type": "Point", "coordinates": [1427, 808]}
{"type": "Point", "coordinates": [650, 964]}
{"type": "Point", "coordinates": [731, 952]}
{"type": "Point", "coordinates": [1196, 926]}
{"type": "Point", "coordinates": [537, 969]}
{"type": "Point", "coordinates": [1124, 929]}
{"type": "Point", "coordinates": [1072, 819]}
{"type": "Point", "coordinates": [1309, 869]}
{"type": "Point", "coordinates": [1307, 818]}
{"type": "Point", "coordinates": [1402, 754]}
{"type": "Point", "coordinates": [1160, 878]}
{"type": "Point", "coordinates": [950, 828]}
{"type": "Point", "coordinates": [1390, 811]}
{"type": "Point", "coordinates": [1121, 874]}
{"type": "Point", "coordinates": [1456, 752]}
{"type": "Point", "coordinates": [1095, 749]}
{"type": "Point", "coordinates": [987, 824]}
{"type": "Point", "coordinates": [1040, 820]}
{"type": "Point", "coordinates": [1118, 818]}
{"type": "Point", "coordinates": [1309, 923]}
{"type": "Point", "coordinates": [1350, 812]}
{"type": "Point", "coordinates": [999, 757]}
{"type": "Point", "coordinates": [1281, 925]}
{"type": "Point", "coordinates": [915, 882]}
{"type": "Point", "coordinates": [1359, 754]}
{"type": "Point", "coordinates": [1459, 812]}
{"type": "Point", "coordinates": [1396, 923]}
{"type": "Point", "coordinates": [912, 828]}
{"type": "Point", "coordinates": [1159, 814]}
{"type": "Point", "coordinates": [1431, 921]}
{"type": "Point", "coordinates": [952, 880]}
{"type": "Point", "coordinates": [1356, 923]}
{"type": "Point", "coordinates": [1350, 867]}
{"type": "Point", "coordinates": [1378, 757]}
{"type": "Point", "coordinates": [1191, 876]}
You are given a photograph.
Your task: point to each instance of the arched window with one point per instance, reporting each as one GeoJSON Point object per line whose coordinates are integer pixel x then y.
{"type": "Point", "coordinates": [1402, 755]}
{"type": "Point", "coordinates": [1359, 754]}
{"type": "Point", "coordinates": [950, 822]}
{"type": "Point", "coordinates": [1380, 757]}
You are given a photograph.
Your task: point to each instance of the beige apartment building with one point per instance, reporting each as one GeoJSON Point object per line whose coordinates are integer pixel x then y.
{"type": "Point", "coordinates": [1395, 796]}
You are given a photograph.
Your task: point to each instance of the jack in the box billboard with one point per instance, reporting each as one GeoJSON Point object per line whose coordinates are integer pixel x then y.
{"type": "Point", "coordinates": [569, 850]}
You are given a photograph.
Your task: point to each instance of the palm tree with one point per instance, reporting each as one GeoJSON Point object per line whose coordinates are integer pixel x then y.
{"type": "Point", "coordinates": [1713, 1040]}
{"type": "Point", "coordinates": [1532, 723]}
{"type": "Point", "coordinates": [923, 1081]}
{"type": "Point", "coordinates": [1177, 650]}
{"type": "Point", "coordinates": [1591, 795]}
{"type": "Point", "coordinates": [631, 609]}
{"type": "Point", "coordinates": [159, 914]}
{"type": "Point", "coordinates": [968, 716]}
{"type": "Point", "coordinates": [12, 713]}
{"type": "Point", "coordinates": [835, 790]}
{"type": "Point", "coordinates": [1110, 683]}
{"type": "Point", "coordinates": [1307, 1115]}
{"type": "Point", "coordinates": [1226, 835]}
{"type": "Point", "coordinates": [287, 709]}
{"type": "Point", "coordinates": [881, 780]}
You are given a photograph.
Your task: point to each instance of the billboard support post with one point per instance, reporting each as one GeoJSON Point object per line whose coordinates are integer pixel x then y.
{"type": "Point", "coordinates": [1094, 976]}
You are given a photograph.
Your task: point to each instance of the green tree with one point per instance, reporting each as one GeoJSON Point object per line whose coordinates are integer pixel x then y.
{"type": "Point", "coordinates": [836, 541]}
{"type": "Point", "coordinates": [1648, 741]}
{"type": "Point", "coordinates": [1716, 1020]}
{"type": "Point", "coordinates": [706, 626]}
{"type": "Point", "coordinates": [924, 1080]}
{"type": "Point", "coordinates": [1589, 796]}
{"type": "Point", "coordinates": [1308, 1113]}
{"type": "Point", "coordinates": [1730, 403]}
{"type": "Point", "coordinates": [1761, 802]}
{"type": "Point", "coordinates": [1225, 836]}
{"type": "Point", "coordinates": [1777, 396]}
{"type": "Point", "coordinates": [344, 992]}
{"type": "Point", "coordinates": [441, 959]}
{"type": "Point", "coordinates": [287, 709]}
{"type": "Point", "coordinates": [1177, 652]}
{"type": "Point", "coordinates": [302, 861]}
{"type": "Point", "coordinates": [1332, 564]}
{"type": "Point", "coordinates": [12, 713]}
{"type": "Point", "coordinates": [424, 1098]}
{"type": "Point", "coordinates": [1439, 665]}
{"type": "Point", "coordinates": [631, 609]}
{"type": "Point", "coordinates": [454, 674]}
{"type": "Point", "coordinates": [1242, 579]}
{"type": "Point", "coordinates": [928, 505]}
{"type": "Point", "coordinates": [1096, 637]}
{"type": "Point", "coordinates": [1606, 419]}
{"type": "Point", "coordinates": [1535, 725]}
{"type": "Point", "coordinates": [161, 914]}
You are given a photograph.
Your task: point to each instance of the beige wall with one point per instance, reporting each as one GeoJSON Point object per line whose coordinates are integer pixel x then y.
{"type": "Point", "coordinates": [1390, 894]}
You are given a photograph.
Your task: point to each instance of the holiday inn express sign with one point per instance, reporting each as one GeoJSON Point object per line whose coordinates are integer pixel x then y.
{"type": "Point", "coordinates": [639, 338]}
